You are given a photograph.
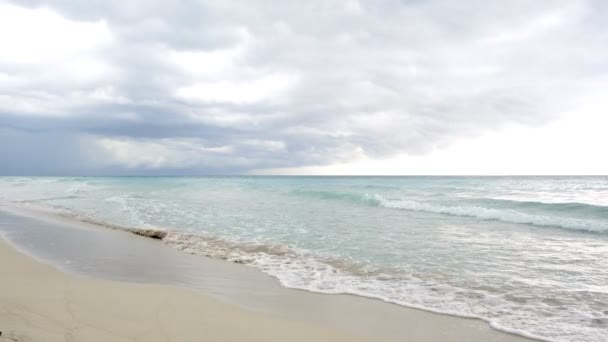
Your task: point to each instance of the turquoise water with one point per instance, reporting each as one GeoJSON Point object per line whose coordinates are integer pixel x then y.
{"type": "Point", "coordinates": [527, 254]}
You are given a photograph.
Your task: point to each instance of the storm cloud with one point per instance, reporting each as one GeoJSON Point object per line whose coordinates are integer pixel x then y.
{"type": "Point", "coordinates": [195, 87]}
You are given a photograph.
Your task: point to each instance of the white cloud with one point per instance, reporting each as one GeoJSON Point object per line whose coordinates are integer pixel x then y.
{"type": "Point", "coordinates": [152, 154]}
{"type": "Point", "coordinates": [535, 27]}
{"type": "Point", "coordinates": [378, 87]}
{"type": "Point", "coordinates": [203, 62]}
{"type": "Point", "coordinates": [34, 36]}
{"type": "Point", "coordinates": [269, 88]}
{"type": "Point", "coordinates": [268, 145]}
{"type": "Point", "coordinates": [43, 51]}
{"type": "Point", "coordinates": [215, 63]}
{"type": "Point", "coordinates": [575, 144]}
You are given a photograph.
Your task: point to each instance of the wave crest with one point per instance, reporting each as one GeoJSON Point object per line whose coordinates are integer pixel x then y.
{"type": "Point", "coordinates": [521, 212]}
{"type": "Point", "coordinates": [503, 214]}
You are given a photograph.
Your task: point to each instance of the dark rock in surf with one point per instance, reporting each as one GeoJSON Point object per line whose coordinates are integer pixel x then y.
{"type": "Point", "coordinates": [150, 233]}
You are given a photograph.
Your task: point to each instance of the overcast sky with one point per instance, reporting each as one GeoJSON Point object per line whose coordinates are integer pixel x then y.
{"type": "Point", "coordinates": [303, 87]}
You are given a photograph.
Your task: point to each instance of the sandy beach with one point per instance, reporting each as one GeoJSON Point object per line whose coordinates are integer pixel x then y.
{"type": "Point", "coordinates": [69, 281]}
{"type": "Point", "coordinates": [39, 303]}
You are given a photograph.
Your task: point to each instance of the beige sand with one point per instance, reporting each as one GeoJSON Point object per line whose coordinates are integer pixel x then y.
{"type": "Point", "coordinates": [40, 303]}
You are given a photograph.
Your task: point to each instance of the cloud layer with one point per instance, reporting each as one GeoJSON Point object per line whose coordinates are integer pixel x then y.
{"type": "Point", "coordinates": [150, 86]}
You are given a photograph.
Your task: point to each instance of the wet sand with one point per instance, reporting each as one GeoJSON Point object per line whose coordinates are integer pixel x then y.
{"type": "Point", "coordinates": [103, 285]}
{"type": "Point", "coordinates": [39, 303]}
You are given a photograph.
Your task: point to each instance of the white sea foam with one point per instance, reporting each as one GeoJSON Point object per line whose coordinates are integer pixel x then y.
{"type": "Point", "coordinates": [304, 270]}
{"type": "Point", "coordinates": [505, 215]}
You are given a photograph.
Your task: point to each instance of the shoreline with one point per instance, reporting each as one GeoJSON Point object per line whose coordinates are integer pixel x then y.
{"type": "Point", "coordinates": [420, 324]}
{"type": "Point", "coordinates": [39, 303]}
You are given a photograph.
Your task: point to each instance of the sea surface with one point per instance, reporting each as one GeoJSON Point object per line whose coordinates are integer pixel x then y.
{"type": "Point", "coordinates": [527, 254]}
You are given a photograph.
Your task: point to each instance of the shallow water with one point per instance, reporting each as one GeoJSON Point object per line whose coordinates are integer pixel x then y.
{"type": "Point", "coordinates": [527, 254]}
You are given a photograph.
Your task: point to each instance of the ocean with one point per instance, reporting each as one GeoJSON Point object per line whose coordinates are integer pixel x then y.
{"type": "Point", "coordinates": [529, 255]}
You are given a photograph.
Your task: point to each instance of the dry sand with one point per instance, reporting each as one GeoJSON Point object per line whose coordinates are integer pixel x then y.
{"type": "Point", "coordinates": [39, 303]}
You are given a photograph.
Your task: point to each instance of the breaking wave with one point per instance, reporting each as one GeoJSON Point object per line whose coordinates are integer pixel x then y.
{"type": "Point", "coordinates": [505, 215]}
{"type": "Point", "coordinates": [591, 218]}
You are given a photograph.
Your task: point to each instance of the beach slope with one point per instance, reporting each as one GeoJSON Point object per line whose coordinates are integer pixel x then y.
{"type": "Point", "coordinates": [40, 303]}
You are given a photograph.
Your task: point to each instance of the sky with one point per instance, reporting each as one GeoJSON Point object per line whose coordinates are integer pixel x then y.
{"type": "Point", "coordinates": [385, 87]}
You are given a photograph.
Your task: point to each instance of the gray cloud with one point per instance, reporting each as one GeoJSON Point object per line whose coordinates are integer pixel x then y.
{"type": "Point", "coordinates": [219, 86]}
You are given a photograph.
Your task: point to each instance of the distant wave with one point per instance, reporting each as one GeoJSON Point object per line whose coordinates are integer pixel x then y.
{"type": "Point", "coordinates": [503, 214]}
{"type": "Point", "coordinates": [336, 195]}
{"type": "Point", "coordinates": [521, 212]}
{"type": "Point", "coordinates": [574, 207]}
